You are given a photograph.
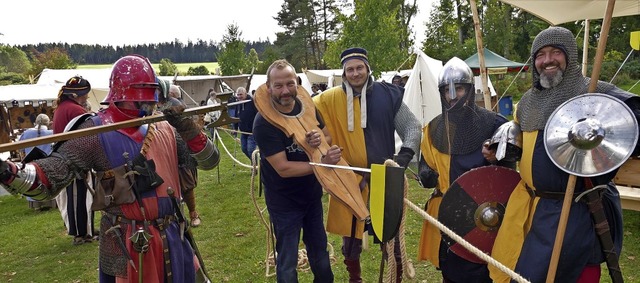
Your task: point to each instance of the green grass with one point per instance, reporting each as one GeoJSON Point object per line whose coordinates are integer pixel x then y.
{"type": "Point", "coordinates": [182, 67]}
{"type": "Point", "coordinates": [34, 246]}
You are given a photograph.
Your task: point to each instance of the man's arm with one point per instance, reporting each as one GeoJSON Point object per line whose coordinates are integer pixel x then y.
{"type": "Point", "coordinates": [410, 131]}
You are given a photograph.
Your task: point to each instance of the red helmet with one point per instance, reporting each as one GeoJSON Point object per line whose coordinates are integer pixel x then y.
{"type": "Point", "coordinates": [132, 79]}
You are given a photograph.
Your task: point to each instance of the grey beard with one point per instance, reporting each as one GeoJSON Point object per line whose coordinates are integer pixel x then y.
{"type": "Point", "coordinates": [551, 81]}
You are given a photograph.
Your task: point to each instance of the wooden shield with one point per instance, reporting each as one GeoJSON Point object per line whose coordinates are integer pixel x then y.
{"type": "Point", "coordinates": [386, 200]}
{"type": "Point", "coordinates": [474, 206]}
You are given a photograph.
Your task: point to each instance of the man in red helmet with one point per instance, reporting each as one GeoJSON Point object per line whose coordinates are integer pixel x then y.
{"type": "Point", "coordinates": [137, 185]}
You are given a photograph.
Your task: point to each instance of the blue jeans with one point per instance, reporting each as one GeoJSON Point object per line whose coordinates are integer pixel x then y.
{"type": "Point", "coordinates": [248, 144]}
{"type": "Point", "coordinates": [287, 225]}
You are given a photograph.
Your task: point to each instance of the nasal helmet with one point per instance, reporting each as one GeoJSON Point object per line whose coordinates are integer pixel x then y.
{"type": "Point", "coordinates": [132, 79]}
{"type": "Point", "coordinates": [455, 71]}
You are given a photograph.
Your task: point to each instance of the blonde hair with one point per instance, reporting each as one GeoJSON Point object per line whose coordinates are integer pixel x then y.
{"type": "Point", "coordinates": [41, 120]}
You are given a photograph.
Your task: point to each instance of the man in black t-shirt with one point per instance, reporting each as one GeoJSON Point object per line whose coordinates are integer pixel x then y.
{"type": "Point", "coordinates": [292, 192]}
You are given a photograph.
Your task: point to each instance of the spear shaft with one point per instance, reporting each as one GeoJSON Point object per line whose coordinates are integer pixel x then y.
{"type": "Point", "coordinates": [111, 127]}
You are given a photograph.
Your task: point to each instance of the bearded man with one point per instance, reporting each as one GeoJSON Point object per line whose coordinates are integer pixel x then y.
{"type": "Point", "coordinates": [525, 239]}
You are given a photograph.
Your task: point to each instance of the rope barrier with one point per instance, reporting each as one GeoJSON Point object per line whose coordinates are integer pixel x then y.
{"type": "Point", "coordinates": [216, 135]}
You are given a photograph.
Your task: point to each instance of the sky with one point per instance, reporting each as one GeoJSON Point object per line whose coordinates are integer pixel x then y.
{"type": "Point", "coordinates": [132, 22]}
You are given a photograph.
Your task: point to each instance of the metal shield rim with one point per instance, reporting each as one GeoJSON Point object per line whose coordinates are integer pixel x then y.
{"type": "Point", "coordinates": [582, 100]}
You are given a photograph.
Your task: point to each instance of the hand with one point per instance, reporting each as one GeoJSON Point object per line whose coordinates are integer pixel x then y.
{"type": "Point", "coordinates": [7, 171]}
{"type": "Point", "coordinates": [404, 157]}
{"type": "Point", "coordinates": [332, 156]}
{"type": "Point", "coordinates": [185, 126]}
{"type": "Point", "coordinates": [428, 177]}
{"type": "Point", "coordinates": [313, 138]}
{"type": "Point", "coordinates": [488, 153]}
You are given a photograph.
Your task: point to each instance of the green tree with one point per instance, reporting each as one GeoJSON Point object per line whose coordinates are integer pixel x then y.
{"type": "Point", "coordinates": [269, 55]}
{"type": "Point", "coordinates": [198, 71]}
{"type": "Point", "coordinates": [375, 27]}
{"type": "Point", "coordinates": [13, 60]}
{"type": "Point", "coordinates": [55, 58]}
{"type": "Point", "coordinates": [308, 25]}
{"type": "Point", "coordinates": [167, 68]}
{"type": "Point", "coordinates": [14, 66]}
{"type": "Point", "coordinates": [231, 58]}
{"type": "Point", "coordinates": [253, 62]}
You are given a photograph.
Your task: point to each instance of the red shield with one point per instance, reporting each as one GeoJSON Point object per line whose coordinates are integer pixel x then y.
{"type": "Point", "coordinates": [474, 206]}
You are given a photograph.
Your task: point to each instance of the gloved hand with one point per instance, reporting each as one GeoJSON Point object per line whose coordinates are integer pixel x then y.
{"type": "Point", "coordinates": [6, 171]}
{"type": "Point", "coordinates": [428, 177]}
{"type": "Point", "coordinates": [404, 157]}
{"type": "Point", "coordinates": [185, 126]}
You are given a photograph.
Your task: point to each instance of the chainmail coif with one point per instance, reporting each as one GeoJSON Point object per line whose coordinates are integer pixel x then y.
{"type": "Point", "coordinates": [462, 128]}
{"type": "Point", "coordinates": [537, 104]}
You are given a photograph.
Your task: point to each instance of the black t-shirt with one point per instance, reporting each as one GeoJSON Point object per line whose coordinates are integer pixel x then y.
{"type": "Point", "coordinates": [283, 193]}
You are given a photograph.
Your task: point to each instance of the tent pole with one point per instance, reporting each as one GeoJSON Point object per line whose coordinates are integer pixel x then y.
{"type": "Point", "coordinates": [568, 195]}
{"type": "Point", "coordinates": [585, 47]}
{"type": "Point", "coordinates": [483, 69]}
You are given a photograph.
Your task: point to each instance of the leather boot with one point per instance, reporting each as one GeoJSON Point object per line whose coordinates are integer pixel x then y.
{"type": "Point", "coordinates": [353, 267]}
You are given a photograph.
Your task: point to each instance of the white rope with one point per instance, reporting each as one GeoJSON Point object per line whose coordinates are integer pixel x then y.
{"type": "Point", "coordinates": [234, 131]}
{"type": "Point", "coordinates": [465, 244]}
{"type": "Point", "coordinates": [216, 135]}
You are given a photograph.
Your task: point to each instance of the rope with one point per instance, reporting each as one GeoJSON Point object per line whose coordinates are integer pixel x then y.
{"type": "Point", "coordinates": [216, 135]}
{"type": "Point", "coordinates": [234, 131]}
{"type": "Point", "coordinates": [270, 259]}
{"type": "Point", "coordinates": [464, 243]}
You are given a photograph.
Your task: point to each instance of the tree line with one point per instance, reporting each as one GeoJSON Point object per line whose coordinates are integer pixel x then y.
{"type": "Point", "coordinates": [316, 31]}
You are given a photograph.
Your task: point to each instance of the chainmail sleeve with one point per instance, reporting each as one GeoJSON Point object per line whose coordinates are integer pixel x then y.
{"type": "Point", "coordinates": [408, 128]}
{"type": "Point", "coordinates": [72, 159]}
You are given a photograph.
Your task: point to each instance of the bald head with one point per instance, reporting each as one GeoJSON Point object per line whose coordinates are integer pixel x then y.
{"type": "Point", "coordinates": [174, 91]}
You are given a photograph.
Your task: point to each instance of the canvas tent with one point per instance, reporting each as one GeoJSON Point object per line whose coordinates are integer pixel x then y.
{"type": "Point", "coordinates": [98, 78]}
{"type": "Point", "coordinates": [556, 12]}
{"type": "Point", "coordinates": [494, 63]}
{"type": "Point", "coordinates": [421, 90]}
{"type": "Point", "coordinates": [331, 77]}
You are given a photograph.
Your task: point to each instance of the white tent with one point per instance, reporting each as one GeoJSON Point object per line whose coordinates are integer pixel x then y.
{"type": "Point", "coordinates": [56, 78]}
{"type": "Point", "coordinates": [557, 12]}
{"type": "Point", "coordinates": [421, 90]}
{"type": "Point", "coordinates": [388, 76]}
{"type": "Point", "coordinates": [331, 77]}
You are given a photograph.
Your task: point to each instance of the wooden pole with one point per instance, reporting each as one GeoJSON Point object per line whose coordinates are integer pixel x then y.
{"type": "Point", "coordinates": [585, 48]}
{"type": "Point", "coordinates": [568, 197]}
{"type": "Point", "coordinates": [483, 68]}
{"type": "Point", "coordinates": [110, 127]}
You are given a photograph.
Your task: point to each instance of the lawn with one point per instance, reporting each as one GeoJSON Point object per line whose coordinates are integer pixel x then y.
{"type": "Point", "coordinates": [35, 248]}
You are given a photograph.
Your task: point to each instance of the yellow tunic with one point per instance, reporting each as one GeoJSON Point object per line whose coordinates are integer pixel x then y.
{"type": "Point", "coordinates": [332, 105]}
{"type": "Point", "coordinates": [430, 237]}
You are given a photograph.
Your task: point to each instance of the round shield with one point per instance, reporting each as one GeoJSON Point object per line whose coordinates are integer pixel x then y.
{"type": "Point", "coordinates": [473, 207]}
{"type": "Point", "coordinates": [590, 134]}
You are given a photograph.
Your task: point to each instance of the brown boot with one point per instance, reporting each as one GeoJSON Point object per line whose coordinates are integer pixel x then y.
{"type": "Point", "coordinates": [353, 267]}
